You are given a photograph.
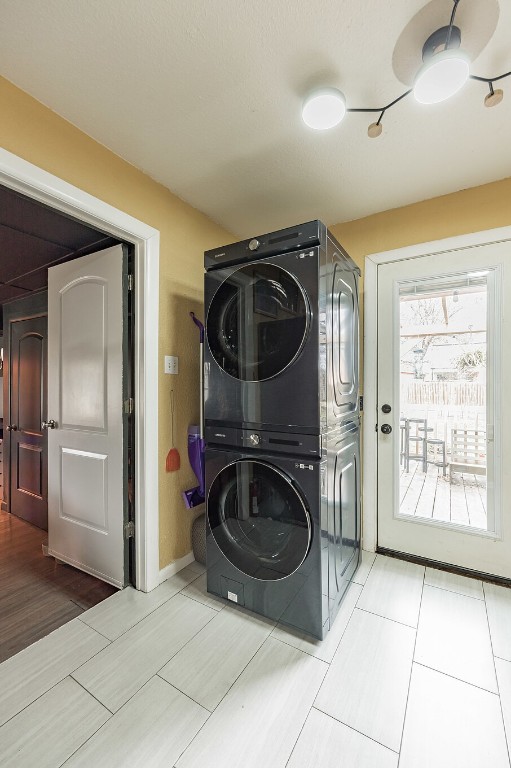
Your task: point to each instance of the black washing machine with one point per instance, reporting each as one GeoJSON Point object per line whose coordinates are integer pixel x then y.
{"type": "Point", "coordinates": [282, 344]}
{"type": "Point", "coordinates": [283, 531]}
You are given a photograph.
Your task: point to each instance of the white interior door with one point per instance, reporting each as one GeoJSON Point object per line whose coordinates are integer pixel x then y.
{"type": "Point", "coordinates": [85, 445]}
{"type": "Point", "coordinates": [443, 475]}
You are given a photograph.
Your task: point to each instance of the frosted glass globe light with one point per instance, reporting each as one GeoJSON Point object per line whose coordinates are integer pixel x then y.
{"type": "Point", "coordinates": [441, 76]}
{"type": "Point", "coordinates": [324, 109]}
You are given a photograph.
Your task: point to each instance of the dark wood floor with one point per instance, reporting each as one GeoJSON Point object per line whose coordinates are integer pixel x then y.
{"type": "Point", "coordinates": [37, 594]}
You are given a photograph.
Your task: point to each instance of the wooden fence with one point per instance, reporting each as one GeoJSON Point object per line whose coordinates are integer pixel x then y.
{"type": "Point", "coordinates": [458, 393]}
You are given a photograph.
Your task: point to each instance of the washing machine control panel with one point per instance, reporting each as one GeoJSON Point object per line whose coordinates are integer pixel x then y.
{"type": "Point", "coordinates": [271, 442]}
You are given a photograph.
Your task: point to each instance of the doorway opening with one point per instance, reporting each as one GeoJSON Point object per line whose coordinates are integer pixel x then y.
{"type": "Point", "coordinates": [38, 592]}
{"type": "Point", "coordinates": [37, 185]}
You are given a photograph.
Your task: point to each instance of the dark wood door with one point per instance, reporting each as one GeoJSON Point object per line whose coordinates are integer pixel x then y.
{"type": "Point", "coordinates": [28, 401]}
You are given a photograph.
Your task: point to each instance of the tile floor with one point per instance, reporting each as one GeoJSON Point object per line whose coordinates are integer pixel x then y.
{"type": "Point", "coordinates": [415, 673]}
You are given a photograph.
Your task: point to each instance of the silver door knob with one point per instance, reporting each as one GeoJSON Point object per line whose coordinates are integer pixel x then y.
{"type": "Point", "coordinates": [12, 428]}
{"type": "Point", "coordinates": [51, 424]}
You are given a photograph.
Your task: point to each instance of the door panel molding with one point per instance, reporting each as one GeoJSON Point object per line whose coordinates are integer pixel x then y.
{"type": "Point", "coordinates": [29, 180]}
{"type": "Point", "coordinates": [370, 436]}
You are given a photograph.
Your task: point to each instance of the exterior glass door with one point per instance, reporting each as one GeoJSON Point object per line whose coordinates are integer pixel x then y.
{"type": "Point", "coordinates": [441, 444]}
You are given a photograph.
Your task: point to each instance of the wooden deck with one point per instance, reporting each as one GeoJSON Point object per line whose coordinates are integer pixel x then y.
{"type": "Point", "coordinates": [458, 499]}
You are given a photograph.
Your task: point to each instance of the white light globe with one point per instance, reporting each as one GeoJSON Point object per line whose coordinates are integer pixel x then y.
{"type": "Point", "coordinates": [441, 76]}
{"type": "Point", "coordinates": [323, 109]}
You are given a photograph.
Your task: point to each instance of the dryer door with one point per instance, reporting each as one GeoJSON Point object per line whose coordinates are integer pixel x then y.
{"type": "Point", "coordinates": [257, 322]}
{"type": "Point", "coordinates": [259, 520]}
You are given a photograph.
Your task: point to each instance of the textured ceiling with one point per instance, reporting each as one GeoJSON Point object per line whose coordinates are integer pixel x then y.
{"type": "Point", "coordinates": [205, 97]}
{"type": "Point", "coordinates": [33, 238]}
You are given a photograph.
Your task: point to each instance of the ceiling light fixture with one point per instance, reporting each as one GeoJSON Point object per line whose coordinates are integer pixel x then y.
{"type": "Point", "coordinates": [441, 77]}
{"type": "Point", "coordinates": [445, 70]}
{"type": "Point", "coordinates": [324, 109]}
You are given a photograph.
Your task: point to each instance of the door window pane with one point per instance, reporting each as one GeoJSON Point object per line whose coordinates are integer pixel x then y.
{"type": "Point", "coordinates": [443, 391]}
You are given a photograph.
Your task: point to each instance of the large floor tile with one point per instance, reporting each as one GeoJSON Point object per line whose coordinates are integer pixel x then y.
{"type": "Point", "coordinates": [151, 731]}
{"type": "Point", "coordinates": [32, 672]}
{"type": "Point", "coordinates": [114, 675]}
{"type": "Point", "coordinates": [322, 649]}
{"type": "Point", "coordinates": [367, 683]}
{"type": "Point", "coordinates": [450, 724]}
{"type": "Point", "coordinates": [209, 664]}
{"type": "Point", "coordinates": [503, 669]}
{"type": "Point", "coordinates": [198, 590]}
{"type": "Point", "coordinates": [453, 637]}
{"type": "Point", "coordinates": [123, 610]}
{"type": "Point", "coordinates": [50, 729]}
{"type": "Point", "coordinates": [454, 583]}
{"type": "Point", "coordinates": [197, 567]}
{"type": "Point", "coordinates": [326, 743]}
{"type": "Point", "coordinates": [366, 563]}
{"type": "Point", "coordinates": [260, 719]}
{"type": "Point", "coordinates": [498, 603]}
{"type": "Point", "coordinates": [393, 590]}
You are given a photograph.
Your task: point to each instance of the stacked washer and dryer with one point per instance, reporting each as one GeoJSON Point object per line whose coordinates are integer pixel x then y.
{"type": "Point", "coordinates": [281, 421]}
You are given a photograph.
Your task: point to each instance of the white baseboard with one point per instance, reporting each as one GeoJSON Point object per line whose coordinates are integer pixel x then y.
{"type": "Point", "coordinates": [176, 566]}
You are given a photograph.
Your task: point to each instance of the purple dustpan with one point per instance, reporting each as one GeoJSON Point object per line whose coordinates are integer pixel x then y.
{"type": "Point", "coordinates": [195, 496]}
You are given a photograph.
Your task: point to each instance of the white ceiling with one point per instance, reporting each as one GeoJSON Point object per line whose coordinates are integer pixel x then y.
{"type": "Point", "coordinates": [205, 97]}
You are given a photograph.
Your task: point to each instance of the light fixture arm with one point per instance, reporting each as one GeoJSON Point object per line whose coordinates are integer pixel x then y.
{"type": "Point", "coordinates": [451, 22]}
{"type": "Point", "coordinates": [380, 109]}
{"type": "Point", "coordinates": [490, 80]}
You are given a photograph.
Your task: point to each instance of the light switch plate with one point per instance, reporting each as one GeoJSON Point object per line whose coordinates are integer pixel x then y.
{"type": "Point", "coordinates": [171, 364]}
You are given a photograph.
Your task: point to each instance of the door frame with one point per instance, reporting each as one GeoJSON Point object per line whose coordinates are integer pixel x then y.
{"type": "Point", "coordinates": [33, 182]}
{"type": "Point", "coordinates": [370, 436]}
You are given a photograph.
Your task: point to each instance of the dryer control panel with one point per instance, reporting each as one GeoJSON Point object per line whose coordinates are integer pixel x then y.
{"type": "Point", "coordinates": [292, 239]}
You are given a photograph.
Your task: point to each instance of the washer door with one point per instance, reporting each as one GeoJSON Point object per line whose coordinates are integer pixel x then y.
{"type": "Point", "coordinates": [257, 322]}
{"type": "Point", "coordinates": [259, 520]}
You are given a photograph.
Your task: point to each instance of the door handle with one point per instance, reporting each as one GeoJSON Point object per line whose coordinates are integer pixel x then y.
{"type": "Point", "coordinates": [386, 429]}
{"type": "Point", "coordinates": [12, 427]}
{"type": "Point", "coordinates": [50, 424]}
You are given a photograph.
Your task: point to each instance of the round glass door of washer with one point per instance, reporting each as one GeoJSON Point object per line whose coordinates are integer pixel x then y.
{"type": "Point", "coordinates": [257, 322]}
{"type": "Point", "coordinates": [259, 520]}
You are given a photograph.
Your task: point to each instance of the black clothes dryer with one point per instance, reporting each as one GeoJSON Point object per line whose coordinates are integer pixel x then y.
{"type": "Point", "coordinates": [283, 532]}
{"type": "Point", "coordinates": [282, 333]}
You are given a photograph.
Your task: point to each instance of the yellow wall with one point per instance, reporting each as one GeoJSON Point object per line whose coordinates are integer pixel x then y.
{"type": "Point", "coordinates": [470, 210]}
{"type": "Point", "coordinates": [35, 133]}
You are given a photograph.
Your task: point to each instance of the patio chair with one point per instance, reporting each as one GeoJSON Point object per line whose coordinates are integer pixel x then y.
{"type": "Point", "coordinates": [468, 451]}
